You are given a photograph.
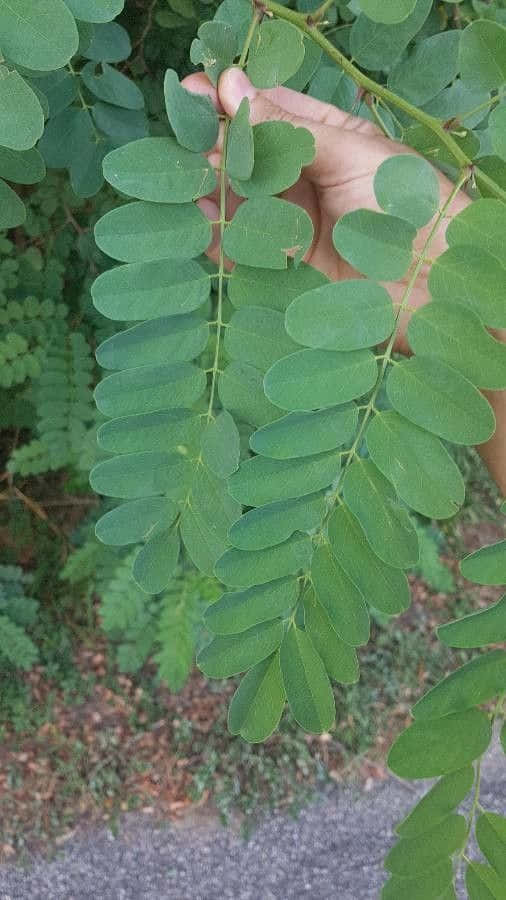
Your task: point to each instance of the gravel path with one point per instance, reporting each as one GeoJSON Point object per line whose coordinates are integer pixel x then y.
{"type": "Point", "coordinates": [334, 849]}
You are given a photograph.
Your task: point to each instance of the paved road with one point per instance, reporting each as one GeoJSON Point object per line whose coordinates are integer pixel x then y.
{"type": "Point", "coordinates": [334, 849]}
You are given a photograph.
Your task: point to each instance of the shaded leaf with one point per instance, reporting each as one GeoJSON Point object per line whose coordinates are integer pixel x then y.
{"type": "Point", "coordinates": [436, 397]}
{"type": "Point", "coordinates": [240, 147]}
{"type": "Point", "coordinates": [472, 276]}
{"type": "Point", "coordinates": [150, 388]}
{"type": "Point", "coordinates": [258, 702]}
{"type": "Point", "coordinates": [256, 335]}
{"type": "Point", "coordinates": [43, 37]}
{"type": "Point", "coordinates": [274, 523]}
{"type": "Point", "coordinates": [276, 52]}
{"type": "Point", "coordinates": [240, 388]}
{"type": "Point", "coordinates": [280, 152]}
{"type": "Point", "coordinates": [305, 433]}
{"type": "Point", "coordinates": [407, 186]}
{"type": "Point", "coordinates": [306, 682]}
{"type": "Point", "coordinates": [339, 659]}
{"type": "Point", "coordinates": [206, 519]}
{"type": "Point", "coordinates": [340, 598]}
{"type": "Point", "coordinates": [192, 116]}
{"type": "Point", "coordinates": [244, 568]}
{"type": "Point", "coordinates": [231, 654]}
{"type": "Point", "coordinates": [483, 55]}
{"type": "Point", "coordinates": [155, 563]}
{"type": "Point", "coordinates": [436, 747]}
{"type": "Point", "coordinates": [21, 116]}
{"type": "Point", "coordinates": [220, 445]}
{"type": "Point", "coordinates": [378, 245]}
{"type": "Point", "coordinates": [427, 69]}
{"type": "Point", "coordinates": [135, 521]}
{"type": "Point", "coordinates": [237, 611]}
{"type": "Point", "coordinates": [438, 803]}
{"type": "Point", "coordinates": [249, 286]}
{"type": "Point", "coordinates": [263, 480]}
{"type": "Point", "coordinates": [417, 855]}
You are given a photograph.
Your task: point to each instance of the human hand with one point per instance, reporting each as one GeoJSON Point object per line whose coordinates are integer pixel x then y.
{"type": "Point", "coordinates": [349, 150]}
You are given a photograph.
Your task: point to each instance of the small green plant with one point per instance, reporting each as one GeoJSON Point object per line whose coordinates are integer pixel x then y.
{"type": "Point", "coordinates": [17, 613]}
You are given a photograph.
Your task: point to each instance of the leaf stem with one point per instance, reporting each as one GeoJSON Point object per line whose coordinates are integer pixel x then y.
{"type": "Point", "coordinates": [308, 26]}
{"type": "Point", "coordinates": [222, 222]}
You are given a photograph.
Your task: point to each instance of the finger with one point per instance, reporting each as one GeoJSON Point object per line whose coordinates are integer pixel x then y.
{"type": "Point", "coordinates": [199, 83]}
{"type": "Point", "coordinates": [342, 141]}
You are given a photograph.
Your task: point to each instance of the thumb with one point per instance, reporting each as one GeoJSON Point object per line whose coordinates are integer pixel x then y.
{"type": "Point", "coordinates": [341, 140]}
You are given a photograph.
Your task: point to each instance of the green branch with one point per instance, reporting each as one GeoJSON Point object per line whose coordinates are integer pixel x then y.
{"type": "Point", "coordinates": [308, 26]}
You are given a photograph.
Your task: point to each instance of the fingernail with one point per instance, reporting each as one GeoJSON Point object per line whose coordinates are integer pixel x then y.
{"type": "Point", "coordinates": [237, 87]}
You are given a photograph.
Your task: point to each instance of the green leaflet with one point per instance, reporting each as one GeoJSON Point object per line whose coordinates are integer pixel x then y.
{"type": "Point", "coordinates": [87, 155]}
{"type": "Point", "coordinates": [178, 338]}
{"type": "Point", "coordinates": [112, 87]}
{"type": "Point", "coordinates": [276, 52]}
{"type": "Point", "coordinates": [488, 626]}
{"type": "Point", "coordinates": [231, 654]}
{"type": "Point", "coordinates": [407, 186]}
{"type": "Point", "coordinates": [221, 445]}
{"type": "Point", "coordinates": [306, 682]}
{"type": "Point", "coordinates": [149, 388]}
{"type": "Point", "coordinates": [437, 747]}
{"type": "Point", "coordinates": [258, 702]}
{"type": "Point", "coordinates": [482, 56]}
{"type": "Point", "coordinates": [340, 598]}
{"type": "Point", "coordinates": [431, 884]}
{"type": "Point", "coordinates": [140, 232]}
{"type": "Point", "coordinates": [164, 429]}
{"type": "Point", "coordinates": [215, 48]}
{"type": "Point", "coordinates": [21, 116]}
{"type": "Point", "coordinates": [151, 290]}
{"type": "Point", "coordinates": [340, 659]}
{"type": "Point", "coordinates": [438, 803]}
{"type": "Point", "coordinates": [486, 565]}
{"type": "Point", "coordinates": [237, 611]}
{"type": "Point", "coordinates": [262, 480]}
{"type": "Point", "coordinates": [420, 468]}
{"type": "Point", "coordinates": [318, 378]}
{"type": "Point", "coordinates": [459, 100]}
{"type": "Point", "coordinates": [476, 682]}
{"type": "Point", "coordinates": [417, 855]}
{"type": "Point", "coordinates": [95, 10]}
{"type": "Point", "coordinates": [42, 37]}
{"type": "Point", "coordinates": [157, 169]}
{"type": "Point", "coordinates": [249, 286]}
{"type": "Point", "coordinates": [135, 521]}
{"type": "Point", "coordinates": [156, 561]}
{"type": "Point", "coordinates": [120, 125]}
{"type": "Point", "coordinates": [386, 525]}
{"type": "Point", "coordinates": [12, 210]}
{"type": "Point", "coordinates": [384, 587]}
{"type": "Point", "coordinates": [424, 141]}
{"type": "Point", "coordinates": [240, 146]}
{"type": "Point", "coordinates": [472, 276]}
{"type": "Point", "coordinates": [206, 519]}
{"type": "Point", "coordinates": [312, 57]}
{"type": "Point", "coordinates": [491, 837]}
{"type": "Point", "coordinates": [497, 127]}
{"type": "Point", "coordinates": [240, 388]}
{"type": "Point", "coordinates": [274, 523]}
{"type": "Point", "coordinates": [192, 117]}
{"type": "Point", "coordinates": [266, 231]}
{"type": "Point", "coordinates": [481, 224]}
{"type": "Point", "coordinates": [431, 65]}
{"type": "Point", "coordinates": [109, 43]}
{"type": "Point", "coordinates": [483, 883]}
{"type": "Point", "coordinates": [455, 333]}
{"type": "Point", "coordinates": [378, 245]}
{"type": "Point", "coordinates": [434, 396]}
{"type": "Point", "coordinates": [136, 475]}
{"type": "Point", "coordinates": [374, 45]}
{"type": "Point", "coordinates": [280, 152]}
{"type": "Point", "coordinates": [305, 433]}
{"type": "Point", "coordinates": [342, 315]}
{"type": "Point", "coordinates": [22, 166]}
{"type": "Point", "coordinates": [388, 14]}
{"type": "Point", "coordinates": [256, 335]}
{"type": "Point", "coordinates": [244, 568]}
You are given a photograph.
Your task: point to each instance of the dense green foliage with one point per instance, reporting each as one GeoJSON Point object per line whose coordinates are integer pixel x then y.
{"type": "Point", "coordinates": [256, 423]}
